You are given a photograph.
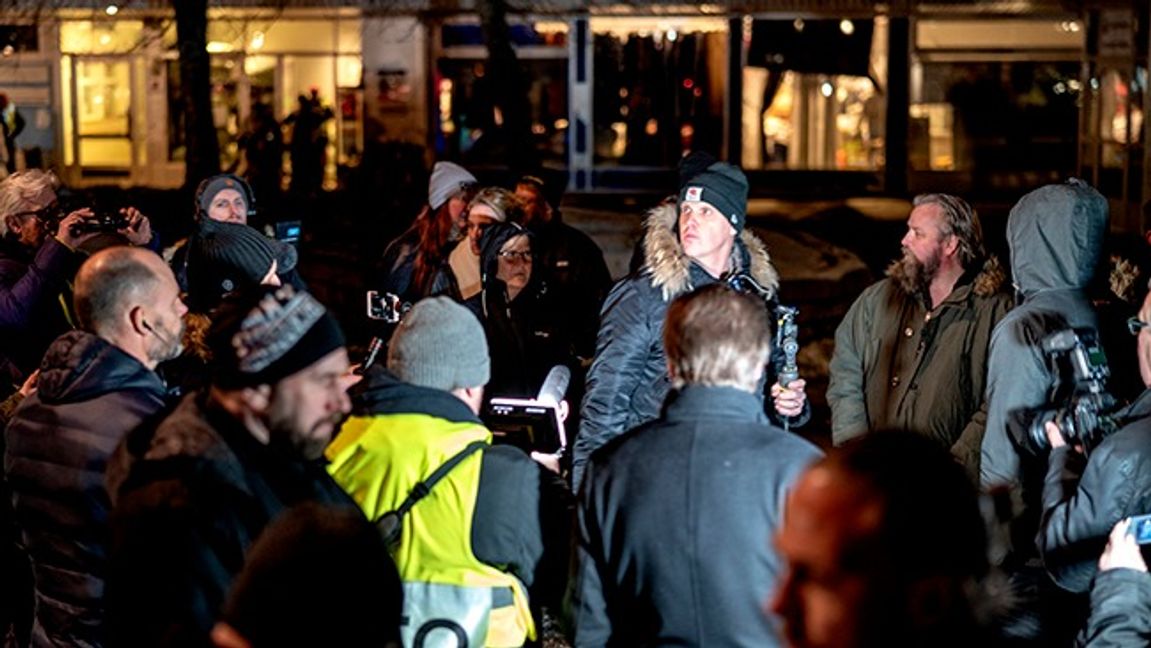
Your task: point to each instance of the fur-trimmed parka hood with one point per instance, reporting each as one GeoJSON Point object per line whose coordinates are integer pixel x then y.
{"type": "Point", "coordinates": [670, 268]}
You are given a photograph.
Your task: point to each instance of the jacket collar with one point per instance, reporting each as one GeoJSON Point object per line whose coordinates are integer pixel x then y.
{"type": "Point", "coordinates": [381, 392]}
{"type": "Point", "coordinates": [695, 402]}
{"type": "Point", "coordinates": [985, 281]}
{"type": "Point", "coordinates": [671, 269]}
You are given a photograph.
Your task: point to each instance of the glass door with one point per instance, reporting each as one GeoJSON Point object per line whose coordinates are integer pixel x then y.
{"type": "Point", "coordinates": [102, 113]}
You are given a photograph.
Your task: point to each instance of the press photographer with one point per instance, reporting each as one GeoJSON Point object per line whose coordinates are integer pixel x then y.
{"type": "Point", "coordinates": [1084, 495]}
{"type": "Point", "coordinates": [38, 257]}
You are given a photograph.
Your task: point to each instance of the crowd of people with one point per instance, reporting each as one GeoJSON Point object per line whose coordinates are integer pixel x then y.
{"type": "Point", "coordinates": [192, 458]}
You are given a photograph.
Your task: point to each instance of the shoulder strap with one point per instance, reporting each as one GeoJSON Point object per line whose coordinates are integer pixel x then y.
{"type": "Point", "coordinates": [421, 489]}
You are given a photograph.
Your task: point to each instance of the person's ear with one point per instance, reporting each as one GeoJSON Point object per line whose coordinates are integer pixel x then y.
{"type": "Point", "coordinates": [951, 245]}
{"type": "Point", "coordinates": [257, 398]}
{"type": "Point", "coordinates": [14, 223]}
{"type": "Point", "coordinates": [137, 321]}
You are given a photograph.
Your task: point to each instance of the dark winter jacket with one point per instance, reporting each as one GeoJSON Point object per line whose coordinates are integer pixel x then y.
{"type": "Point", "coordinates": [1056, 237]}
{"type": "Point", "coordinates": [32, 314]}
{"type": "Point", "coordinates": [1083, 498]}
{"type": "Point", "coordinates": [396, 271]}
{"type": "Point", "coordinates": [896, 368]}
{"type": "Point", "coordinates": [522, 513]}
{"type": "Point", "coordinates": [572, 266]}
{"type": "Point", "coordinates": [628, 380]}
{"type": "Point", "coordinates": [526, 336]}
{"type": "Point", "coordinates": [90, 395]}
{"type": "Point", "coordinates": [675, 525]}
{"type": "Point", "coordinates": [190, 496]}
{"type": "Point", "coordinates": [1120, 611]}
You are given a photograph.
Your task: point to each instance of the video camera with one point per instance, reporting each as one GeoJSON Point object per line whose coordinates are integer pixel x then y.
{"type": "Point", "coordinates": [532, 423]}
{"type": "Point", "coordinates": [103, 222]}
{"type": "Point", "coordinates": [1080, 407]}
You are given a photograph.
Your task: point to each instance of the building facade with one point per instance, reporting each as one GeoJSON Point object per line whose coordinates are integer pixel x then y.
{"type": "Point", "coordinates": [846, 95]}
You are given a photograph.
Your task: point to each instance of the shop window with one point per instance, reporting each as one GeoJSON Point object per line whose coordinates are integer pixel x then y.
{"type": "Point", "coordinates": [101, 37]}
{"type": "Point", "coordinates": [812, 94]}
{"type": "Point", "coordinates": [993, 117]}
{"type": "Point", "coordinates": [470, 124]}
{"type": "Point", "coordinates": [15, 39]}
{"type": "Point", "coordinates": [658, 91]}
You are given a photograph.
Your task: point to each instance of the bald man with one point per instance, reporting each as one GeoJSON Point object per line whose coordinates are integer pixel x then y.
{"type": "Point", "coordinates": [96, 384]}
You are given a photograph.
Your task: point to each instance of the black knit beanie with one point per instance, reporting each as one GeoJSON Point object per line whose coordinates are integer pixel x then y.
{"type": "Point", "coordinates": [265, 334]}
{"type": "Point", "coordinates": [722, 186]}
{"type": "Point", "coordinates": [224, 257]}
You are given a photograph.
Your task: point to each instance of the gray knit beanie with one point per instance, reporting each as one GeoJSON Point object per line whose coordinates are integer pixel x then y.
{"type": "Point", "coordinates": [441, 345]}
{"type": "Point", "coordinates": [447, 179]}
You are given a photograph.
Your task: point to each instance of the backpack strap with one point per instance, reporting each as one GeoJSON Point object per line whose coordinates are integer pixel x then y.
{"type": "Point", "coordinates": [421, 489]}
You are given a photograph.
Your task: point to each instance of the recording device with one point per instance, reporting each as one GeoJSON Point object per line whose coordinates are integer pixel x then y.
{"type": "Point", "coordinates": [532, 423]}
{"type": "Point", "coordinates": [1080, 407]}
{"type": "Point", "coordinates": [288, 231]}
{"type": "Point", "coordinates": [385, 307]}
{"type": "Point", "coordinates": [787, 338]}
{"type": "Point", "coordinates": [102, 222]}
{"type": "Point", "coordinates": [1141, 529]}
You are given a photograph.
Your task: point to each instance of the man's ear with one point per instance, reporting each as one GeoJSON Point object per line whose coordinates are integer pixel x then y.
{"type": "Point", "coordinates": [14, 223]}
{"type": "Point", "coordinates": [257, 398]}
{"type": "Point", "coordinates": [951, 245]}
{"type": "Point", "coordinates": [136, 320]}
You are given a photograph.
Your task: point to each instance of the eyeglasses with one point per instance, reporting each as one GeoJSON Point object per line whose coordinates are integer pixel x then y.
{"type": "Point", "coordinates": [516, 255]}
{"type": "Point", "coordinates": [1134, 325]}
{"type": "Point", "coordinates": [48, 214]}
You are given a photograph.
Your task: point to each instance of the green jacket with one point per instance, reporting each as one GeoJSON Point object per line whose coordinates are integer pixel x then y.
{"type": "Point", "coordinates": [896, 365]}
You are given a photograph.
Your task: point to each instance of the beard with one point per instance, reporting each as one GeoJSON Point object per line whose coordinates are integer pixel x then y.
{"type": "Point", "coordinates": [297, 438]}
{"type": "Point", "coordinates": [915, 276]}
{"type": "Point", "coordinates": [166, 345]}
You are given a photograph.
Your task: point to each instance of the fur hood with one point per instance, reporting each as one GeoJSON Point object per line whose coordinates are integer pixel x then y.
{"type": "Point", "coordinates": [988, 282]}
{"type": "Point", "coordinates": [670, 268]}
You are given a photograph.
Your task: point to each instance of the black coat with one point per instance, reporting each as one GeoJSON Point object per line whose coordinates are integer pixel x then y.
{"type": "Point", "coordinates": [628, 380]}
{"type": "Point", "coordinates": [526, 336]}
{"type": "Point", "coordinates": [1120, 611]}
{"type": "Point", "coordinates": [675, 526]}
{"type": "Point", "coordinates": [1084, 498]}
{"type": "Point", "coordinates": [572, 266]}
{"type": "Point", "coordinates": [90, 395]}
{"type": "Point", "coordinates": [190, 496]}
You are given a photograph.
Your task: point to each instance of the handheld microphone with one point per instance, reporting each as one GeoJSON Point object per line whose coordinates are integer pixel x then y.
{"type": "Point", "coordinates": [555, 385]}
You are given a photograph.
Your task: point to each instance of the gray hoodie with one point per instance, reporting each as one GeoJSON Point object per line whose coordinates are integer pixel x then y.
{"type": "Point", "coordinates": [1055, 234]}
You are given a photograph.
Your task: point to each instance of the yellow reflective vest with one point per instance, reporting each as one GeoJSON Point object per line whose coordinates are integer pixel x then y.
{"type": "Point", "coordinates": [377, 460]}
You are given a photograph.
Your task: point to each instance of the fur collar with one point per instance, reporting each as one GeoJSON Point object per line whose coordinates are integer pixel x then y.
{"type": "Point", "coordinates": [670, 269]}
{"type": "Point", "coordinates": [988, 282]}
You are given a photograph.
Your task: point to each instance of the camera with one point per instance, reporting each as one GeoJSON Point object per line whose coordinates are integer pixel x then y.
{"type": "Point", "coordinates": [1080, 405]}
{"type": "Point", "coordinates": [385, 307]}
{"type": "Point", "coordinates": [104, 222]}
{"type": "Point", "coordinates": [1141, 529]}
{"type": "Point", "coordinates": [787, 338]}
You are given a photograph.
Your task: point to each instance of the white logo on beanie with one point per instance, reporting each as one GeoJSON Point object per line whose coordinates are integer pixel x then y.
{"type": "Point", "coordinates": [694, 194]}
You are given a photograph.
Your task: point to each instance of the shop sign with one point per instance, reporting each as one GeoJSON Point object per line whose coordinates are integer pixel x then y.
{"type": "Point", "coordinates": [1116, 33]}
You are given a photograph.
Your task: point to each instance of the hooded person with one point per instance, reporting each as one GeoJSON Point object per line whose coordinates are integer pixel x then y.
{"type": "Point", "coordinates": [698, 240]}
{"type": "Point", "coordinates": [1055, 235]}
{"type": "Point", "coordinates": [525, 336]}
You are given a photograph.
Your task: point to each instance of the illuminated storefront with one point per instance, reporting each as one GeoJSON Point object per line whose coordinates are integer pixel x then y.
{"type": "Point", "coordinates": [114, 110]}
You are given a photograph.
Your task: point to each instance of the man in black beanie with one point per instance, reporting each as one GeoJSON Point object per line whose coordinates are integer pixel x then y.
{"type": "Point", "coordinates": [191, 494]}
{"type": "Point", "coordinates": [698, 240]}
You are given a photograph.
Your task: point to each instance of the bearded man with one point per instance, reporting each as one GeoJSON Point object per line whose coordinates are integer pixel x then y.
{"type": "Point", "coordinates": [912, 351]}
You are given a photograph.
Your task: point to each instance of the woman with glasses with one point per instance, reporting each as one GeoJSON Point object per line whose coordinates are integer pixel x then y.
{"type": "Point", "coordinates": [525, 339]}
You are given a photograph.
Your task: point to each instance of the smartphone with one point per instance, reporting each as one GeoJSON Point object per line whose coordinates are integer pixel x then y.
{"type": "Point", "coordinates": [1141, 529]}
{"type": "Point", "coordinates": [384, 307]}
